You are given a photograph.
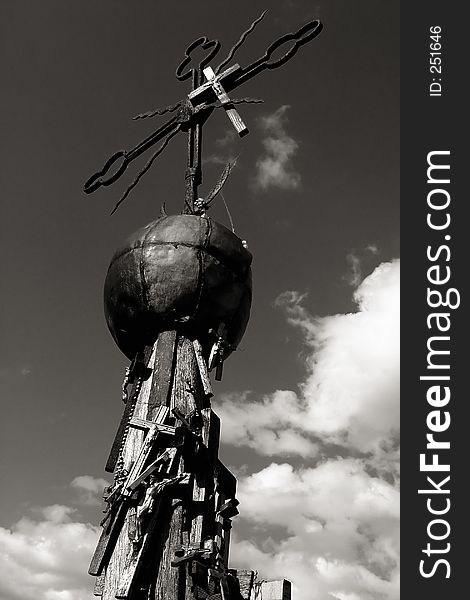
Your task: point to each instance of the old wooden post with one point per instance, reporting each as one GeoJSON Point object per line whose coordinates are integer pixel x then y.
{"type": "Point", "coordinates": [177, 302]}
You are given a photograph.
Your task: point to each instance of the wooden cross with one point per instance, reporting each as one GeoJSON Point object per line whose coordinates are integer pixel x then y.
{"type": "Point", "coordinates": [165, 457]}
{"type": "Point", "coordinates": [138, 473]}
{"type": "Point", "coordinates": [136, 559]}
{"type": "Point", "coordinates": [136, 376]}
{"type": "Point", "coordinates": [214, 85]}
{"type": "Point", "coordinates": [153, 428]}
{"type": "Point", "coordinates": [188, 555]}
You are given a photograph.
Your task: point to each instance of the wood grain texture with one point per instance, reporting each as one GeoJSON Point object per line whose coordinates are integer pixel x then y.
{"type": "Point", "coordinates": [205, 89]}
{"type": "Point", "coordinates": [163, 372]}
{"type": "Point", "coordinates": [187, 396]}
{"type": "Point", "coordinates": [99, 585]}
{"type": "Point", "coordinates": [164, 457]}
{"type": "Point", "coordinates": [181, 516]}
{"type": "Point", "coordinates": [273, 590]}
{"type": "Point", "coordinates": [145, 425]}
{"type": "Point", "coordinates": [141, 364]}
{"type": "Point", "coordinates": [134, 559]}
{"type": "Point", "coordinates": [224, 99]}
{"type": "Point", "coordinates": [245, 580]}
{"type": "Point", "coordinates": [203, 371]}
{"type": "Point", "coordinates": [123, 549]}
{"type": "Point", "coordinates": [202, 509]}
{"type": "Point", "coordinates": [108, 540]}
{"type": "Point", "coordinates": [146, 447]}
{"type": "Point", "coordinates": [170, 582]}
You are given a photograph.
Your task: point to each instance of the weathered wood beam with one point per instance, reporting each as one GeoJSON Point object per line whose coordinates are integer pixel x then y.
{"type": "Point", "coordinates": [203, 371]}
{"type": "Point", "coordinates": [123, 547]}
{"type": "Point", "coordinates": [146, 448]}
{"type": "Point", "coordinates": [202, 506]}
{"type": "Point", "coordinates": [99, 585]}
{"type": "Point", "coordinates": [173, 583]}
{"type": "Point", "coordinates": [163, 371]}
{"type": "Point", "coordinates": [144, 547]}
{"type": "Point", "coordinates": [108, 540]}
{"type": "Point", "coordinates": [141, 363]}
{"type": "Point", "coordinates": [205, 90]}
{"type": "Point", "coordinates": [145, 425]}
{"type": "Point", "coordinates": [135, 563]}
{"type": "Point", "coordinates": [166, 456]}
{"type": "Point", "coordinates": [273, 590]}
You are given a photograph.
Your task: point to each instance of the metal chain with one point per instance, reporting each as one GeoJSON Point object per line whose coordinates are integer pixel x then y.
{"type": "Point", "coordinates": [125, 385]}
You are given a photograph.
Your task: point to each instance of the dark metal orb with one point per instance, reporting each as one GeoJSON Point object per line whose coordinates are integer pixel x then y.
{"type": "Point", "coordinates": [182, 272]}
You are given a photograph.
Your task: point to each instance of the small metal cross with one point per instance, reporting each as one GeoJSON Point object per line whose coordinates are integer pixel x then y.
{"type": "Point", "coordinates": [213, 83]}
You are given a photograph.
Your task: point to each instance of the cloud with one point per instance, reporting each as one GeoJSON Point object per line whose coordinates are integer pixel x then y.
{"type": "Point", "coordinates": [274, 168]}
{"type": "Point", "coordinates": [330, 525]}
{"type": "Point", "coordinates": [47, 557]}
{"type": "Point", "coordinates": [355, 275]}
{"type": "Point", "coordinates": [350, 394]}
{"type": "Point", "coordinates": [228, 148]}
{"type": "Point", "coordinates": [341, 530]}
{"type": "Point", "coordinates": [263, 425]}
{"type": "Point", "coordinates": [219, 159]}
{"type": "Point", "coordinates": [228, 139]}
{"type": "Point", "coordinates": [90, 489]}
{"type": "Point", "coordinates": [355, 261]}
{"type": "Point", "coordinates": [373, 249]}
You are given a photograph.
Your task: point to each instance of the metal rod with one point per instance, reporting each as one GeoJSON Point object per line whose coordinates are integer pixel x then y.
{"type": "Point", "coordinates": [193, 153]}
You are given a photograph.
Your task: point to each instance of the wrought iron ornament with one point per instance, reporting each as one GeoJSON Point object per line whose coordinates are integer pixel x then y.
{"type": "Point", "coordinates": [194, 109]}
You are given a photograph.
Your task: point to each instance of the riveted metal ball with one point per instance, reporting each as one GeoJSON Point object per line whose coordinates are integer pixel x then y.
{"type": "Point", "coordinates": [183, 272]}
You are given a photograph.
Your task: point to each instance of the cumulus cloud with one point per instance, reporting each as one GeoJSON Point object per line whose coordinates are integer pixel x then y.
{"type": "Point", "coordinates": [350, 394]}
{"type": "Point", "coordinates": [89, 489]}
{"type": "Point", "coordinates": [274, 168]}
{"type": "Point", "coordinates": [341, 530]}
{"type": "Point", "coordinates": [47, 557]}
{"type": "Point", "coordinates": [337, 518]}
{"type": "Point", "coordinates": [267, 425]}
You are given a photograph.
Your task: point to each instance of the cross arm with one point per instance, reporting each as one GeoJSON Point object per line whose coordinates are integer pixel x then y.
{"type": "Point", "coordinates": [205, 90]}
{"type": "Point", "coordinates": [213, 84]}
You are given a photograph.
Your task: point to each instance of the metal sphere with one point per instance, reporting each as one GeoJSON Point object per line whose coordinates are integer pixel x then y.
{"type": "Point", "coordinates": [184, 272]}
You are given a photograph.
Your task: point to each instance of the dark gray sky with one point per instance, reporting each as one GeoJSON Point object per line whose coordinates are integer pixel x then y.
{"type": "Point", "coordinates": [73, 75]}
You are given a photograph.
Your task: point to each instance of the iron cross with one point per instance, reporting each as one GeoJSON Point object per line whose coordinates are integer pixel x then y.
{"type": "Point", "coordinates": [194, 109]}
